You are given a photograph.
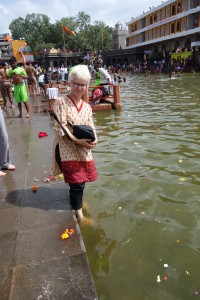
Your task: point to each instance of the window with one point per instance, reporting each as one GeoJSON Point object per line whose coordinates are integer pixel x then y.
{"type": "Point", "coordinates": [178, 26]}
{"type": "Point", "coordinates": [179, 8]}
{"type": "Point", "coordinates": [172, 28]}
{"type": "Point", "coordinates": [173, 10]}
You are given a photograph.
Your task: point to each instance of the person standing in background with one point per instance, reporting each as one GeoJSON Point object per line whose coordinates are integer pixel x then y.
{"type": "Point", "coordinates": [32, 81]}
{"type": "Point", "coordinates": [5, 161]}
{"type": "Point", "coordinates": [6, 85]}
{"type": "Point", "coordinates": [17, 75]}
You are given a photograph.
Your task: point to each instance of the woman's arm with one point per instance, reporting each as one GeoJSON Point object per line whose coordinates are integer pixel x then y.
{"type": "Point", "coordinates": [58, 110]}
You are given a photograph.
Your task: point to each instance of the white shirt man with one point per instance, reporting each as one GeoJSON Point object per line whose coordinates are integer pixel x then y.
{"type": "Point", "coordinates": [105, 76]}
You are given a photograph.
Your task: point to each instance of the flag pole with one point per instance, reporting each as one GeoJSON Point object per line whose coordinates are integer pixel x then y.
{"type": "Point", "coordinates": [64, 45]}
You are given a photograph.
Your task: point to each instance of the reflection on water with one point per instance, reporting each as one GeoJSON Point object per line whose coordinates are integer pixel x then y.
{"type": "Point", "coordinates": [145, 205]}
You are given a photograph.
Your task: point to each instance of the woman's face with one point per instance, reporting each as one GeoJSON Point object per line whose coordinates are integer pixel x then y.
{"type": "Point", "coordinates": [78, 86]}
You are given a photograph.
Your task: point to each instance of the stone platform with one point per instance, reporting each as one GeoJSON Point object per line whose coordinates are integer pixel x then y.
{"type": "Point", "coordinates": [35, 263]}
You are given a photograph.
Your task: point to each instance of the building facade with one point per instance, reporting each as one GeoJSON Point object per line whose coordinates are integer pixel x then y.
{"type": "Point", "coordinates": [5, 47]}
{"type": "Point", "coordinates": [23, 53]}
{"type": "Point", "coordinates": [16, 48]}
{"type": "Point", "coordinates": [172, 28]}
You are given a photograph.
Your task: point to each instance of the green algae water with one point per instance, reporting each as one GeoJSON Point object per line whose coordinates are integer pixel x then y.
{"type": "Point", "coordinates": [144, 243]}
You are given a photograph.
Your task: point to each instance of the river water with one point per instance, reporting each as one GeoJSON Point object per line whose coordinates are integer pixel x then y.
{"type": "Point", "coordinates": [144, 243]}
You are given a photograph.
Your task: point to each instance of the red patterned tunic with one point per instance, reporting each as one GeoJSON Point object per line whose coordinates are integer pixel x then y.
{"type": "Point", "coordinates": [77, 162]}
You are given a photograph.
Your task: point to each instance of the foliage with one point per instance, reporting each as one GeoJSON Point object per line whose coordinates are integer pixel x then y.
{"type": "Point", "coordinates": [40, 34]}
{"type": "Point", "coordinates": [35, 29]}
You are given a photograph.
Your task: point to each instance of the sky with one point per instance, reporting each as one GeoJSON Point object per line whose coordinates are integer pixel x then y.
{"type": "Point", "coordinates": [108, 11]}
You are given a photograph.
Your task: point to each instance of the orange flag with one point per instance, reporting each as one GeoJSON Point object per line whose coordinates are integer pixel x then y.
{"type": "Point", "coordinates": [7, 38]}
{"type": "Point", "coordinates": [65, 28]}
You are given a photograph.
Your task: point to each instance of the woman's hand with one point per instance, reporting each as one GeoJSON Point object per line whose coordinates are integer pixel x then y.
{"type": "Point", "coordinates": [86, 143]}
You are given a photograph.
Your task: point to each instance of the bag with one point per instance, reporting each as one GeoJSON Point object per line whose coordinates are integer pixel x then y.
{"type": "Point", "coordinates": [79, 131]}
{"type": "Point", "coordinates": [83, 132]}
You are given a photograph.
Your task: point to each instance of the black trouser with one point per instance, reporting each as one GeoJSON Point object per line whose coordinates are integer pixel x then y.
{"type": "Point", "coordinates": [76, 190]}
{"type": "Point", "coordinates": [76, 195]}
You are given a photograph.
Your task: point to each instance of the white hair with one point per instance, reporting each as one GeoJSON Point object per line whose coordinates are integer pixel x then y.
{"type": "Point", "coordinates": [81, 71]}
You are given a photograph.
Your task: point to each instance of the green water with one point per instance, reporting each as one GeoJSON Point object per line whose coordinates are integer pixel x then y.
{"type": "Point", "coordinates": [146, 202]}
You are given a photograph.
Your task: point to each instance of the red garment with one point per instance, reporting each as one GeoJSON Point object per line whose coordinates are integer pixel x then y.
{"type": "Point", "coordinates": [42, 134]}
{"type": "Point", "coordinates": [79, 171]}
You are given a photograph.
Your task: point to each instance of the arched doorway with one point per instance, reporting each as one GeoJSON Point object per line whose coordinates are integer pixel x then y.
{"type": "Point", "coordinates": [178, 26]}
{"type": "Point", "coordinates": [177, 46]}
{"type": "Point", "coordinates": [187, 46]}
{"type": "Point", "coordinates": [55, 63]}
{"type": "Point", "coordinates": [163, 51]}
{"type": "Point", "coordinates": [173, 10]}
{"type": "Point", "coordinates": [172, 28]}
{"type": "Point", "coordinates": [155, 49]}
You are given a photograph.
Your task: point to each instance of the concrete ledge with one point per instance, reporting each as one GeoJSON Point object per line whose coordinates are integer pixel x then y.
{"type": "Point", "coordinates": [35, 263]}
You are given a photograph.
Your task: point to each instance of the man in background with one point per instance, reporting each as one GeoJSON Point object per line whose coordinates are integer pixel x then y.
{"type": "Point", "coordinates": [6, 85]}
{"type": "Point", "coordinates": [32, 81]}
{"type": "Point", "coordinates": [18, 75]}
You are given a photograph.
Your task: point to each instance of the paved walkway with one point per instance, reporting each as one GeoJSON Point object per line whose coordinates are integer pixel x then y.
{"type": "Point", "coordinates": [35, 263]}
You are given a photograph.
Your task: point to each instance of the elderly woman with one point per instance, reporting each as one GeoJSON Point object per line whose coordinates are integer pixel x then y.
{"type": "Point", "coordinates": [73, 156]}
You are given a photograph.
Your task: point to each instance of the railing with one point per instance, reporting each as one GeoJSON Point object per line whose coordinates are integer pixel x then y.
{"type": "Point", "coordinates": [114, 99]}
{"type": "Point", "coordinates": [105, 103]}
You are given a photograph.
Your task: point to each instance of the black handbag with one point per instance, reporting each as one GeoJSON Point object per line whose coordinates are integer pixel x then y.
{"type": "Point", "coordinates": [79, 131]}
{"type": "Point", "coordinates": [83, 132]}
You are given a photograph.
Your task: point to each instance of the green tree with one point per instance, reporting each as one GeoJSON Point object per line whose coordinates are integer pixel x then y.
{"type": "Point", "coordinates": [35, 29]}
{"type": "Point", "coordinates": [40, 34]}
{"type": "Point", "coordinates": [82, 20]}
{"type": "Point", "coordinates": [98, 36]}
{"type": "Point", "coordinates": [17, 28]}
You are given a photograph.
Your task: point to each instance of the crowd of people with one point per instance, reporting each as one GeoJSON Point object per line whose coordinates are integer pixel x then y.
{"type": "Point", "coordinates": [18, 81]}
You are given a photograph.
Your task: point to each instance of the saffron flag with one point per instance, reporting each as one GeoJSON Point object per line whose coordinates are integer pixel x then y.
{"type": "Point", "coordinates": [7, 38]}
{"type": "Point", "coordinates": [65, 28]}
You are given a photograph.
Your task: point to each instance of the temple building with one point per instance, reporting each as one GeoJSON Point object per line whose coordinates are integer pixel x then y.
{"type": "Point", "coordinates": [119, 36]}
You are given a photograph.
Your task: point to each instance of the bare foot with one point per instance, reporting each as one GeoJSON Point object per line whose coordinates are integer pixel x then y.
{"type": "Point", "coordinates": [85, 221]}
{"type": "Point", "coordinates": [81, 219]}
{"type": "Point", "coordinates": [79, 213]}
{"type": "Point", "coordinates": [2, 173]}
{"type": "Point", "coordinates": [19, 116]}
{"type": "Point", "coordinates": [28, 116]}
{"type": "Point", "coordinates": [12, 106]}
